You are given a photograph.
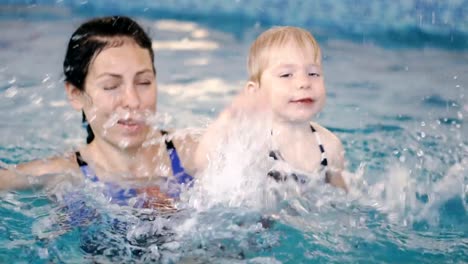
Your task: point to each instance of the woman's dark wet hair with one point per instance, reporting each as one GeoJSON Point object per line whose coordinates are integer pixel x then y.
{"type": "Point", "coordinates": [90, 39]}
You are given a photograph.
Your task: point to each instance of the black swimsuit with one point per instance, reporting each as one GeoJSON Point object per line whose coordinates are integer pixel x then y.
{"type": "Point", "coordinates": [279, 176]}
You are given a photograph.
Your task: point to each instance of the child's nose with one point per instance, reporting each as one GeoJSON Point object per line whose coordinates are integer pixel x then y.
{"type": "Point", "coordinates": [304, 81]}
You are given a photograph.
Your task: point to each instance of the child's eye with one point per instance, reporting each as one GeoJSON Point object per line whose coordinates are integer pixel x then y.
{"type": "Point", "coordinates": [285, 75]}
{"type": "Point", "coordinates": [314, 74]}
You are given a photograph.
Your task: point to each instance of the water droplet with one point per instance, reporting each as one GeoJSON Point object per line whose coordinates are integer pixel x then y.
{"type": "Point", "coordinates": [124, 144]}
{"type": "Point", "coordinates": [11, 92]}
{"type": "Point", "coordinates": [420, 153]}
{"type": "Point", "coordinates": [37, 101]}
{"type": "Point", "coordinates": [402, 159]}
{"type": "Point", "coordinates": [423, 135]}
{"type": "Point", "coordinates": [455, 77]}
{"type": "Point", "coordinates": [47, 78]}
{"type": "Point", "coordinates": [423, 123]}
{"type": "Point", "coordinates": [459, 115]}
{"type": "Point", "coordinates": [43, 253]}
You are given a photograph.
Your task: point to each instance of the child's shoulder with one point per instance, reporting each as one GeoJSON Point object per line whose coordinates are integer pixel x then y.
{"type": "Point", "coordinates": [325, 133]}
{"type": "Point", "coordinates": [330, 141]}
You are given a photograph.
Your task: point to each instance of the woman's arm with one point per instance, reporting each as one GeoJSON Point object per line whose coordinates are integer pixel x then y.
{"type": "Point", "coordinates": [38, 173]}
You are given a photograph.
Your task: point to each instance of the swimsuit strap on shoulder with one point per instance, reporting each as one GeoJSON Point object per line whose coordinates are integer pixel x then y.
{"type": "Point", "coordinates": [117, 194]}
{"type": "Point", "coordinates": [85, 169]}
{"type": "Point", "coordinates": [177, 169]}
{"type": "Point", "coordinates": [323, 158]}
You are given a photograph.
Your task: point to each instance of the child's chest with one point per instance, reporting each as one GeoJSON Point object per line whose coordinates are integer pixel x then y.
{"type": "Point", "coordinates": [303, 155]}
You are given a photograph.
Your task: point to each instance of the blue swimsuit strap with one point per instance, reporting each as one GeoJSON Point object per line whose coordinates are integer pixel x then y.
{"type": "Point", "coordinates": [119, 195]}
{"type": "Point", "coordinates": [85, 169]}
{"type": "Point", "coordinates": [178, 170]}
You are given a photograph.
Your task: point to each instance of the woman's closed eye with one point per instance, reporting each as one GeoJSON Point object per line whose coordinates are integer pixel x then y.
{"type": "Point", "coordinates": [110, 87]}
{"type": "Point", "coordinates": [144, 82]}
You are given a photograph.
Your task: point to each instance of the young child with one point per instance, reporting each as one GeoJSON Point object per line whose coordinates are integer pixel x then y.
{"type": "Point", "coordinates": [285, 86]}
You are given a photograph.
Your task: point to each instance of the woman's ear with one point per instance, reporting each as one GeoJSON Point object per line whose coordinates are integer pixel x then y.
{"type": "Point", "coordinates": [74, 95]}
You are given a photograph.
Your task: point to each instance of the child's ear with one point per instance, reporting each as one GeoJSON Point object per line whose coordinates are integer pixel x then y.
{"type": "Point", "coordinates": [74, 96]}
{"type": "Point", "coordinates": [251, 87]}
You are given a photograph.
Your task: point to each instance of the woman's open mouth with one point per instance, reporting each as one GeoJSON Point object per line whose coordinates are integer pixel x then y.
{"type": "Point", "coordinates": [131, 124]}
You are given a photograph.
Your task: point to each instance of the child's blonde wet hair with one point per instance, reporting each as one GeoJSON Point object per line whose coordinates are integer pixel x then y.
{"type": "Point", "coordinates": [273, 38]}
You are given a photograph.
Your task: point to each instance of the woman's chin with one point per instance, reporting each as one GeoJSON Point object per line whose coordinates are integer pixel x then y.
{"type": "Point", "coordinates": [127, 142]}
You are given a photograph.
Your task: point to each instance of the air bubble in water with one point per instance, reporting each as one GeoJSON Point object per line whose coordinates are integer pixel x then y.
{"type": "Point", "coordinates": [420, 153]}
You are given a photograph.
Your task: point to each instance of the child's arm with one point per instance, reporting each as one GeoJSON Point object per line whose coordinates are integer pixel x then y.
{"type": "Point", "coordinates": [334, 174]}
{"type": "Point", "coordinates": [247, 104]}
{"type": "Point", "coordinates": [210, 139]}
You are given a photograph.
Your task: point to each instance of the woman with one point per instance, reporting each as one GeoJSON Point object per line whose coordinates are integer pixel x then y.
{"type": "Point", "coordinates": [110, 77]}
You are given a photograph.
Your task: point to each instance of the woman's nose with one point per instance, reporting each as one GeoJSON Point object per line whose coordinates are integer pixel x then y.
{"type": "Point", "coordinates": [131, 97]}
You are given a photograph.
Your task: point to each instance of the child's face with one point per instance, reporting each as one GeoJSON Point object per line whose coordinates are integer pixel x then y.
{"type": "Point", "coordinates": [293, 83]}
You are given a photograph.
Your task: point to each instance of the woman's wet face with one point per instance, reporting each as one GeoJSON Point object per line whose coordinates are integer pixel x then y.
{"type": "Point", "coordinates": [120, 93]}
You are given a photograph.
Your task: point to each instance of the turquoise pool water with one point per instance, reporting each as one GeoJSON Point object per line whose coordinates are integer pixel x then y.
{"type": "Point", "coordinates": [396, 75]}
